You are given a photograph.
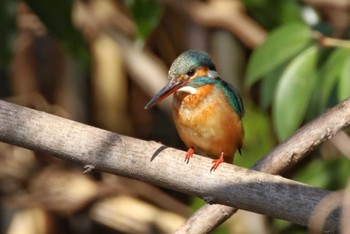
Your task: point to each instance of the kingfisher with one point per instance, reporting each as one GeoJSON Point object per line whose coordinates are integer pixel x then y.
{"type": "Point", "coordinates": [207, 111]}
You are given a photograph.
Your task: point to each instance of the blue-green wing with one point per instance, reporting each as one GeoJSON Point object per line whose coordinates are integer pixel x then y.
{"type": "Point", "coordinates": [234, 98]}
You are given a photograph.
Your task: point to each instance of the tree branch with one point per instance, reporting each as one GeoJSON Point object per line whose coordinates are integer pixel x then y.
{"type": "Point", "coordinates": [282, 157]}
{"type": "Point", "coordinates": [155, 163]}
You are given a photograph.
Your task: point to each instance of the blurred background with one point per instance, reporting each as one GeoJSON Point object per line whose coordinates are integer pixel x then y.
{"type": "Point", "coordinates": [100, 61]}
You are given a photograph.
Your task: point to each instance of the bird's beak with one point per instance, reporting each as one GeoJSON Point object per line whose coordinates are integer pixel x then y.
{"type": "Point", "coordinates": [168, 89]}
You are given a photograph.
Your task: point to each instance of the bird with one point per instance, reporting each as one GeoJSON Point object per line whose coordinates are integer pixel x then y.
{"type": "Point", "coordinates": [207, 110]}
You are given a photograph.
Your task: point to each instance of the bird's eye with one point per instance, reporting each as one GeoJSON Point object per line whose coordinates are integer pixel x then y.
{"type": "Point", "coordinates": [191, 72]}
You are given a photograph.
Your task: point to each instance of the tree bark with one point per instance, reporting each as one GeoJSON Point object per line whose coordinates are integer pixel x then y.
{"type": "Point", "coordinates": [164, 166]}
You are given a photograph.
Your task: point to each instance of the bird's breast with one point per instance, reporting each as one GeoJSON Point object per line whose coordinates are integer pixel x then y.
{"type": "Point", "coordinates": [205, 120]}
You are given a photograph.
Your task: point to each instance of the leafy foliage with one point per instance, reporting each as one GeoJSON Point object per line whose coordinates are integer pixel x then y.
{"type": "Point", "coordinates": [293, 92]}
{"type": "Point", "coordinates": [344, 78]}
{"type": "Point", "coordinates": [298, 80]}
{"type": "Point", "coordinates": [333, 71]}
{"type": "Point", "coordinates": [280, 46]}
{"type": "Point", "coordinates": [292, 71]}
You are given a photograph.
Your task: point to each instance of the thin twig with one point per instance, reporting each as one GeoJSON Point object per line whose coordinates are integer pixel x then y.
{"type": "Point", "coordinates": [330, 42]}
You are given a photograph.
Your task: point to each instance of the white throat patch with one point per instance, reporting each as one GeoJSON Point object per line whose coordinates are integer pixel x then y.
{"type": "Point", "coordinates": [187, 89]}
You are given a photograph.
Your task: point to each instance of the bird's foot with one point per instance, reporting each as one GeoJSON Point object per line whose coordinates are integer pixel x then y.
{"type": "Point", "coordinates": [189, 154]}
{"type": "Point", "coordinates": [217, 162]}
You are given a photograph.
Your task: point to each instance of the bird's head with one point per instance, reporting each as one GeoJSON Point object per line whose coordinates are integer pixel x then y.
{"type": "Point", "coordinates": [187, 66]}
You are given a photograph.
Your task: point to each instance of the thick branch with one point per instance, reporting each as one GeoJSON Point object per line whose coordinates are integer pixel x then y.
{"type": "Point", "coordinates": [280, 158]}
{"type": "Point", "coordinates": [155, 163]}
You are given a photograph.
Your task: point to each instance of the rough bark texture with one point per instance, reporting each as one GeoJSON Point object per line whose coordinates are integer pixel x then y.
{"type": "Point", "coordinates": [155, 163]}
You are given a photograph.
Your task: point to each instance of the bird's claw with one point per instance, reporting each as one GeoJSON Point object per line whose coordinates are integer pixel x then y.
{"type": "Point", "coordinates": [189, 154]}
{"type": "Point", "coordinates": [217, 162]}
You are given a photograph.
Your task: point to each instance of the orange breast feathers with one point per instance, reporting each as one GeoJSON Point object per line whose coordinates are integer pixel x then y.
{"type": "Point", "coordinates": [207, 122]}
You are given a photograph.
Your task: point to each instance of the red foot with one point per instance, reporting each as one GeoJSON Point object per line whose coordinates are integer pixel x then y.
{"type": "Point", "coordinates": [217, 162]}
{"type": "Point", "coordinates": [189, 154]}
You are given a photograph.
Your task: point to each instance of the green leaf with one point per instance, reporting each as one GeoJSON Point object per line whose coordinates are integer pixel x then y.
{"type": "Point", "coordinates": [281, 45]}
{"type": "Point", "coordinates": [330, 73]}
{"type": "Point", "coordinates": [289, 11]}
{"type": "Point", "coordinates": [147, 14]}
{"type": "Point", "coordinates": [344, 80]}
{"type": "Point", "coordinates": [268, 86]}
{"type": "Point", "coordinates": [293, 93]}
